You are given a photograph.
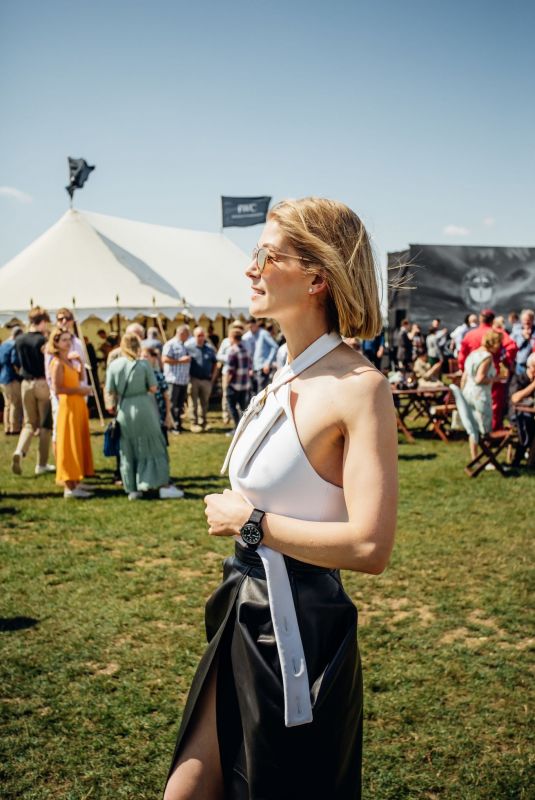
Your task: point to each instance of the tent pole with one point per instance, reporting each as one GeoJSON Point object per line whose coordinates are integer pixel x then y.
{"type": "Point", "coordinates": [158, 320]}
{"type": "Point", "coordinates": [118, 318]}
{"type": "Point", "coordinates": [162, 332]}
{"type": "Point", "coordinates": [89, 370]}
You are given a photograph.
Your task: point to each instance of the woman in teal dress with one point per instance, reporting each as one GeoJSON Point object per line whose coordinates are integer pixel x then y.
{"type": "Point", "coordinates": [143, 454]}
{"type": "Point", "coordinates": [478, 377]}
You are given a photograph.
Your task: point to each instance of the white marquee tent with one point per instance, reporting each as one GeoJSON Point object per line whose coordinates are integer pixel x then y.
{"type": "Point", "coordinates": [110, 265]}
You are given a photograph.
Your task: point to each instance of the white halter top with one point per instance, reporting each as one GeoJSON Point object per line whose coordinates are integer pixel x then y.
{"type": "Point", "coordinates": [269, 467]}
{"type": "Point", "coordinates": [277, 476]}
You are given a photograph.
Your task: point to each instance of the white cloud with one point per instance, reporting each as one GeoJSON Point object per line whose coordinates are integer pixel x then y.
{"type": "Point", "coordinates": [15, 194]}
{"type": "Point", "coordinates": [455, 230]}
{"type": "Point", "coordinates": [489, 222]}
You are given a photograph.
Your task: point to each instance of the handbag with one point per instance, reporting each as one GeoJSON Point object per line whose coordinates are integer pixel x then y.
{"type": "Point", "coordinates": [112, 434]}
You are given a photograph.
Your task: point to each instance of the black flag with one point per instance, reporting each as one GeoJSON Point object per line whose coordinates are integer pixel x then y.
{"type": "Point", "coordinates": [242, 211]}
{"type": "Point", "coordinates": [79, 171]}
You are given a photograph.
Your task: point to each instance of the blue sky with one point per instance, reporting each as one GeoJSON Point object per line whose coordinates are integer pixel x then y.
{"type": "Point", "coordinates": [419, 114]}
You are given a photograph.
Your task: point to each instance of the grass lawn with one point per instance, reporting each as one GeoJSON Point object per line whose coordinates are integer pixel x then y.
{"type": "Point", "coordinates": [102, 627]}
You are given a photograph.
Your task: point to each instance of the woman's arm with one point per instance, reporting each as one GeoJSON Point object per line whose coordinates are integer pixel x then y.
{"type": "Point", "coordinates": [169, 421]}
{"type": "Point", "coordinates": [110, 389]}
{"type": "Point", "coordinates": [365, 542]}
{"type": "Point", "coordinates": [483, 372]}
{"type": "Point", "coordinates": [521, 394]}
{"type": "Point", "coordinates": [150, 378]}
{"type": "Point", "coordinates": [57, 374]}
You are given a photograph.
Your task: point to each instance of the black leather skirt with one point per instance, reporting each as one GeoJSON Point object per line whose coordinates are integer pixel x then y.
{"type": "Point", "coordinates": [262, 759]}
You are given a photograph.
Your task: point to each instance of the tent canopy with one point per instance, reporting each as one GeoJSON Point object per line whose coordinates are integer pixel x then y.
{"type": "Point", "coordinates": [105, 265]}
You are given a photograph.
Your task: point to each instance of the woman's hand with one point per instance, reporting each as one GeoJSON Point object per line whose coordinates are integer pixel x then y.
{"type": "Point", "coordinates": [169, 422]}
{"type": "Point", "coordinates": [226, 513]}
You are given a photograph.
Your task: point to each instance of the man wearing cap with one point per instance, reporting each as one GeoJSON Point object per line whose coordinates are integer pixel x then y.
{"type": "Point", "coordinates": [152, 342]}
{"type": "Point", "coordinates": [507, 355]}
{"type": "Point", "coordinates": [10, 384]}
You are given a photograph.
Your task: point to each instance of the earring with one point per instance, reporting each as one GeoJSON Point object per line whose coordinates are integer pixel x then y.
{"type": "Point", "coordinates": [310, 291]}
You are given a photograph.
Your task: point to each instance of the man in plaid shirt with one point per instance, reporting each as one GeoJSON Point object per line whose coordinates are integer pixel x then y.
{"type": "Point", "coordinates": [176, 367]}
{"type": "Point", "coordinates": [239, 375]}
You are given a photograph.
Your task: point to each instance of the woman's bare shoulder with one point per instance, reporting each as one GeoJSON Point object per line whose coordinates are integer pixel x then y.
{"type": "Point", "coordinates": [356, 382]}
{"type": "Point", "coordinates": [346, 364]}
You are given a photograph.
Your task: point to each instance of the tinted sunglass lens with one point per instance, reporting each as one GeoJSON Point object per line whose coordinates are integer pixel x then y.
{"type": "Point", "coordinates": [261, 258]}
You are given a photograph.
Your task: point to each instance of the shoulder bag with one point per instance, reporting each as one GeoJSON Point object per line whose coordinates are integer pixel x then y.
{"type": "Point", "coordinates": [112, 434]}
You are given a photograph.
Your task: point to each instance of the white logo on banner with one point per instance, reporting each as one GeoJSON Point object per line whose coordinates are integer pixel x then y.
{"type": "Point", "coordinates": [478, 286]}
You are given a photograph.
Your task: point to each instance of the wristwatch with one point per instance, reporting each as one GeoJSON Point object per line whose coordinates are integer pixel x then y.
{"type": "Point", "coordinates": [251, 532]}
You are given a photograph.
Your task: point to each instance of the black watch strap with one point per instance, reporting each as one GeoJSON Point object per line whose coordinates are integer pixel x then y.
{"type": "Point", "coordinates": [256, 516]}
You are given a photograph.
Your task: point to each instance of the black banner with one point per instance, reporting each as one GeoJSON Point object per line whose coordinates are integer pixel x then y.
{"type": "Point", "coordinates": [79, 171]}
{"type": "Point", "coordinates": [239, 212]}
{"type": "Point", "coordinates": [450, 281]}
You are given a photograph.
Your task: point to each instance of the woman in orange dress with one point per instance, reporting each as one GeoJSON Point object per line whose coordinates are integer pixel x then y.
{"type": "Point", "coordinates": [74, 459]}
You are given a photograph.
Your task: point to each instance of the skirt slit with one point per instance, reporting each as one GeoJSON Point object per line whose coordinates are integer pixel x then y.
{"type": "Point", "coordinates": [262, 759]}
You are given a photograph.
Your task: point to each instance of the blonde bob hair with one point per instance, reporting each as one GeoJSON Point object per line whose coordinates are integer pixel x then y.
{"type": "Point", "coordinates": [491, 339]}
{"type": "Point", "coordinates": [335, 244]}
{"type": "Point", "coordinates": [53, 340]}
{"type": "Point", "coordinates": [131, 346]}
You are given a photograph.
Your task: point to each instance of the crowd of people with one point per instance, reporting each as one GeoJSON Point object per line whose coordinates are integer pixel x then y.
{"type": "Point", "coordinates": [493, 357]}
{"type": "Point", "coordinates": [48, 375]}
{"type": "Point", "coordinates": [154, 387]}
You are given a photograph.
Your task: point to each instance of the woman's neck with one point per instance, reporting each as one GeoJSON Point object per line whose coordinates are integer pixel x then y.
{"type": "Point", "coordinates": [300, 333]}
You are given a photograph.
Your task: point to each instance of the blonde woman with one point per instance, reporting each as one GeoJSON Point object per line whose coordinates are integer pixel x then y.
{"type": "Point", "coordinates": [74, 459]}
{"type": "Point", "coordinates": [131, 386]}
{"type": "Point", "coordinates": [275, 709]}
{"type": "Point", "coordinates": [478, 377]}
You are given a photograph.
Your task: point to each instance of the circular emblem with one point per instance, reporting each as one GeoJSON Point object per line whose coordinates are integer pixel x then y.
{"type": "Point", "coordinates": [478, 287]}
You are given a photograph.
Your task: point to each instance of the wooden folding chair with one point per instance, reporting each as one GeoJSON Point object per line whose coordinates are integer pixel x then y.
{"type": "Point", "coordinates": [491, 444]}
{"type": "Point", "coordinates": [441, 416]}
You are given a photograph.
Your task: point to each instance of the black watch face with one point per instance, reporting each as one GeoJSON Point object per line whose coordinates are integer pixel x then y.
{"type": "Point", "coordinates": [251, 534]}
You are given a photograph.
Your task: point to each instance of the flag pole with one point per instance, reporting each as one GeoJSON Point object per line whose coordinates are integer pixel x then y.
{"type": "Point", "coordinates": [87, 365]}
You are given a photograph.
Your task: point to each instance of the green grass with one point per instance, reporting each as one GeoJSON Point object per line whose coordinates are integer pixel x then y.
{"type": "Point", "coordinates": [92, 688]}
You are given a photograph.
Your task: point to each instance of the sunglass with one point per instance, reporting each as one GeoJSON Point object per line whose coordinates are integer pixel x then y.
{"type": "Point", "coordinates": [262, 255]}
{"type": "Point", "coordinates": [64, 319]}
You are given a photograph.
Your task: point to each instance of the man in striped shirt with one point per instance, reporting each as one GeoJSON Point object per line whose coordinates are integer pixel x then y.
{"type": "Point", "coordinates": [239, 372]}
{"type": "Point", "coordinates": [176, 367]}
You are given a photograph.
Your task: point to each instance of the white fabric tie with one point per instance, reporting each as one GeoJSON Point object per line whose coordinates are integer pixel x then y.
{"type": "Point", "coordinates": [297, 703]}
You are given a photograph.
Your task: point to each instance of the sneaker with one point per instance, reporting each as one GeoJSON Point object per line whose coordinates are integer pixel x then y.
{"type": "Point", "coordinates": [170, 493]}
{"type": "Point", "coordinates": [87, 487]}
{"type": "Point", "coordinates": [135, 495]}
{"type": "Point", "coordinates": [76, 494]}
{"type": "Point", "coordinates": [16, 463]}
{"type": "Point", "coordinates": [196, 429]}
{"type": "Point", "coordinates": [45, 470]}
{"type": "Point", "coordinates": [229, 433]}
